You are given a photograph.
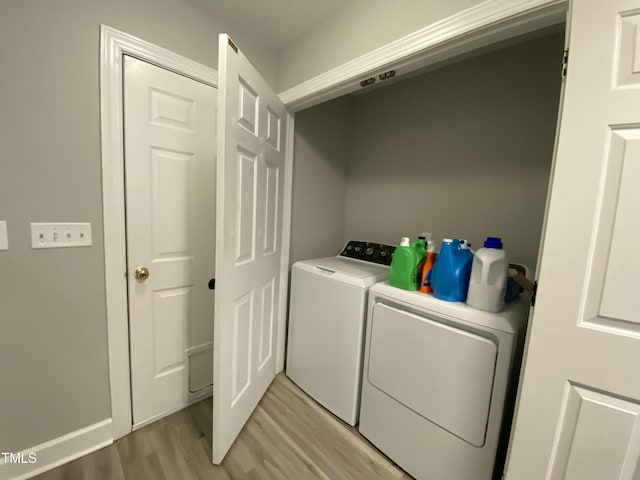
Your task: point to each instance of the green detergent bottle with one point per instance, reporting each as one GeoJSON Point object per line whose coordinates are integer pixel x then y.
{"type": "Point", "coordinates": [421, 245]}
{"type": "Point", "coordinates": [406, 266]}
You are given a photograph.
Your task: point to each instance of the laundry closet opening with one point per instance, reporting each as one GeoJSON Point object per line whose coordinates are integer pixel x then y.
{"type": "Point", "coordinates": [462, 151]}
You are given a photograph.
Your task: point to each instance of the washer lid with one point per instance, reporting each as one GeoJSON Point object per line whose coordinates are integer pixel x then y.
{"type": "Point", "coordinates": [346, 270]}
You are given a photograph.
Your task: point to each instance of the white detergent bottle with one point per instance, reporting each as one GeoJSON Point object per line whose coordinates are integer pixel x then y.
{"type": "Point", "coordinates": [488, 276]}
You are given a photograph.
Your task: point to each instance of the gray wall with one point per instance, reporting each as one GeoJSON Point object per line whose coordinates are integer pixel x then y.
{"type": "Point", "coordinates": [463, 151]}
{"type": "Point", "coordinates": [53, 331]}
{"type": "Point", "coordinates": [320, 179]}
{"type": "Point", "coordinates": [359, 27]}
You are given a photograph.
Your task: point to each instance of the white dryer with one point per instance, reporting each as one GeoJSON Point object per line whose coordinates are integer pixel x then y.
{"type": "Point", "coordinates": [438, 377]}
{"type": "Point", "coordinates": [327, 314]}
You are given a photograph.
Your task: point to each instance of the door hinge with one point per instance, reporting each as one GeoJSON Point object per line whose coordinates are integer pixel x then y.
{"type": "Point", "coordinates": [534, 291]}
{"type": "Point", "coordinates": [527, 285]}
{"type": "Point", "coordinates": [565, 61]}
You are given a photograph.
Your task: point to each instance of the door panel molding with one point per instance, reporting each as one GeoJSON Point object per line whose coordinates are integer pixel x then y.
{"type": "Point", "coordinates": [114, 45]}
{"type": "Point", "coordinates": [582, 414]}
{"type": "Point", "coordinates": [610, 300]}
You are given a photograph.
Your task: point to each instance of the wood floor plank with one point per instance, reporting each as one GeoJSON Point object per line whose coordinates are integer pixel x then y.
{"type": "Point", "coordinates": [284, 453]}
{"type": "Point", "coordinates": [259, 450]}
{"type": "Point", "coordinates": [104, 465]}
{"type": "Point", "coordinates": [288, 437]}
{"type": "Point", "coordinates": [330, 441]}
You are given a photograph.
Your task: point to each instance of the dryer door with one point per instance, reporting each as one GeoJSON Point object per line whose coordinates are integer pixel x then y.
{"type": "Point", "coordinates": [442, 373]}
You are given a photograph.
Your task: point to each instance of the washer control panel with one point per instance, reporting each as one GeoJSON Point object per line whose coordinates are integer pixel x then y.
{"type": "Point", "coordinates": [370, 252]}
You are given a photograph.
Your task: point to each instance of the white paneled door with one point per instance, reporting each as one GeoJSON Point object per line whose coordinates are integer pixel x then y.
{"type": "Point", "coordinates": [170, 154]}
{"type": "Point", "coordinates": [579, 412]}
{"type": "Point", "coordinates": [252, 125]}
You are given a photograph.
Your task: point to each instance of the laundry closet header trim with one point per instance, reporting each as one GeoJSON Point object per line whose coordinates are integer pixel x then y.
{"type": "Point", "coordinates": [481, 25]}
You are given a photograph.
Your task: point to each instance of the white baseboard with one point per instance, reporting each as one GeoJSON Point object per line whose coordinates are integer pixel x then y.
{"type": "Point", "coordinates": [194, 398]}
{"type": "Point", "coordinates": [59, 451]}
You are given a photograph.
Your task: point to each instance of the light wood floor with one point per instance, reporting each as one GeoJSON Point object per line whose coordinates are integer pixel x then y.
{"type": "Point", "coordinates": [289, 436]}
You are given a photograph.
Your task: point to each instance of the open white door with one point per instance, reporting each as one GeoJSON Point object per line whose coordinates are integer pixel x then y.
{"type": "Point", "coordinates": [251, 166]}
{"type": "Point", "coordinates": [579, 412]}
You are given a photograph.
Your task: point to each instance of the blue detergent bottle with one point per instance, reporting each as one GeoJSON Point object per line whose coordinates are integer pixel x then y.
{"type": "Point", "coordinates": [451, 272]}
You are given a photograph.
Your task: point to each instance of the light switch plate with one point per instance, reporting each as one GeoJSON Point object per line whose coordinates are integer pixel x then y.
{"type": "Point", "coordinates": [60, 235]}
{"type": "Point", "coordinates": [4, 239]}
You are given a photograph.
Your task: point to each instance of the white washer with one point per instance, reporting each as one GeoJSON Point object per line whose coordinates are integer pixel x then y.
{"type": "Point", "coordinates": [327, 316]}
{"type": "Point", "coordinates": [437, 377]}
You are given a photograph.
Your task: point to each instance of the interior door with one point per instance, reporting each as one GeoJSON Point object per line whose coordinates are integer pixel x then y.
{"type": "Point", "coordinates": [580, 398]}
{"type": "Point", "coordinates": [170, 153]}
{"type": "Point", "coordinates": [252, 125]}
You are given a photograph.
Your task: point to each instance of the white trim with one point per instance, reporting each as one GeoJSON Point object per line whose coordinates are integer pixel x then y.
{"type": "Point", "coordinates": [203, 347]}
{"type": "Point", "coordinates": [155, 418]}
{"type": "Point", "coordinates": [113, 45]}
{"type": "Point", "coordinates": [281, 340]}
{"type": "Point", "coordinates": [543, 234]}
{"type": "Point", "coordinates": [481, 25]}
{"type": "Point", "coordinates": [195, 397]}
{"type": "Point", "coordinates": [59, 451]}
{"type": "Point", "coordinates": [201, 395]}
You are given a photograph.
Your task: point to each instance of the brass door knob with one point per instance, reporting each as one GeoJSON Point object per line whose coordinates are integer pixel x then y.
{"type": "Point", "coordinates": [142, 273]}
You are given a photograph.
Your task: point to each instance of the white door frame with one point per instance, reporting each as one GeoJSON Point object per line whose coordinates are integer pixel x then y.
{"type": "Point", "coordinates": [113, 45]}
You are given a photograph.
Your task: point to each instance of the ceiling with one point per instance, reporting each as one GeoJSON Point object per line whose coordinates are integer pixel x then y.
{"type": "Point", "coordinates": [274, 22]}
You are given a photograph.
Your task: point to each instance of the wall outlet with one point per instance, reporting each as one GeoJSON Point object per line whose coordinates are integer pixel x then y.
{"type": "Point", "coordinates": [60, 235]}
